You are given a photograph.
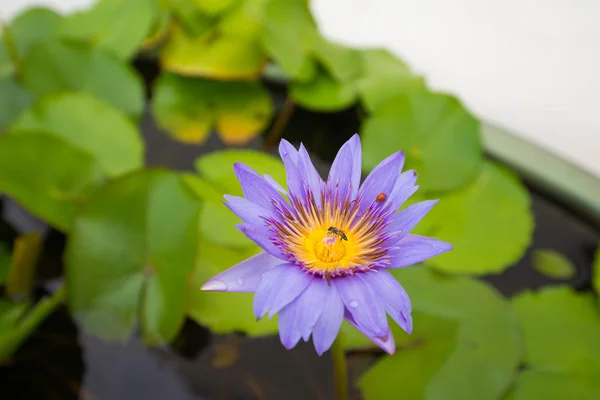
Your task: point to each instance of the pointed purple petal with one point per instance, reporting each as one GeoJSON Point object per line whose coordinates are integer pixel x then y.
{"type": "Point", "coordinates": [288, 331]}
{"type": "Point", "coordinates": [357, 163]}
{"type": "Point", "coordinates": [363, 303]}
{"type": "Point", "coordinates": [289, 156]}
{"type": "Point", "coordinates": [344, 175]}
{"type": "Point", "coordinates": [382, 179]}
{"type": "Point", "coordinates": [310, 173]}
{"type": "Point", "coordinates": [396, 300]}
{"type": "Point", "coordinates": [279, 287]}
{"type": "Point", "coordinates": [261, 236]}
{"type": "Point", "coordinates": [404, 221]}
{"type": "Point", "coordinates": [274, 184]}
{"type": "Point", "coordinates": [385, 342]}
{"type": "Point", "coordinates": [247, 210]}
{"type": "Point", "coordinates": [403, 189]}
{"type": "Point", "coordinates": [329, 323]}
{"type": "Point", "coordinates": [309, 306]}
{"type": "Point", "coordinates": [413, 249]}
{"type": "Point", "coordinates": [256, 189]}
{"type": "Point", "coordinates": [243, 277]}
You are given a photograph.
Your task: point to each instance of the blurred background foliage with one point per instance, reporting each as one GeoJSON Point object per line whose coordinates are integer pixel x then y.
{"type": "Point", "coordinates": [141, 240]}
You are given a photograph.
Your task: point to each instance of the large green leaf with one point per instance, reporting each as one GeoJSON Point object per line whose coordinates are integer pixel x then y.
{"type": "Point", "coordinates": [561, 330]}
{"type": "Point", "coordinates": [488, 222]}
{"type": "Point", "coordinates": [46, 175]}
{"type": "Point", "coordinates": [218, 223]}
{"type": "Point", "coordinates": [90, 125]}
{"type": "Point", "coordinates": [323, 93]}
{"type": "Point", "coordinates": [129, 256]}
{"type": "Point", "coordinates": [188, 108]}
{"type": "Point", "coordinates": [343, 63]}
{"type": "Point", "coordinates": [289, 31]}
{"type": "Point", "coordinates": [59, 65]}
{"type": "Point", "coordinates": [439, 136]}
{"type": "Point", "coordinates": [471, 349]}
{"type": "Point", "coordinates": [33, 25]}
{"type": "Point", "coordinates": [14, 99]}
{"type": "Point", "coordinates": [116, 25]}
{"type": "Point", "coordinates": [224, 312]}
{"type": "Point", "coordinates": [384, 76]}
{"type": "Point", "coordinates": [553, 264]}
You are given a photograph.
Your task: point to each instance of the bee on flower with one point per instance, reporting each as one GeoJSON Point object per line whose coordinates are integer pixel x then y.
{"type": "Point", "coordinates": [328, 245]}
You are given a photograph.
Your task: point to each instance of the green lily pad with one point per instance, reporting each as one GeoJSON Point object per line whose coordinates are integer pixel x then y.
{"type": "Point", "coordinates": [115, 25]}
{"type": "Point", "coordinates": [14, 99]}
{"type": "Point", "coordinates": [489, 223]}
{"type": "Point", "coordinates": [561, 329]}
{"type": "Point", "coordinates": [218, 223]}
{"type": "Point", "coordinates": [46, 175]}
{"type": "Point", "coordinates": [343, 63]}
{"type": "Point", "coordinates": [188, 108]}
{"type": "Point", "coordinates": [289, 31]}
{"type": "Point", "coordinates": [468, 347]}
{"type": "Point", "coordinates": [214, 54]}
{"type": "Point", "coordinates": [28, 28]}
{"type": "Point", "coordinates": [553, 264]}
{"type": "Point", "coordinates": [439, 136]}
{"type": "Point", "coordinates": [129, 256]}
{"type": "Point", "coordinates": [90, 125]}
{"type": "Point", "coordinates": [224, 312]}
{"type": "Point", "coordinates": [385, 76]}
{"type": "Point", "coordinates": [59, 65]}
{"type": "Point", "coordinates": [323, 93]}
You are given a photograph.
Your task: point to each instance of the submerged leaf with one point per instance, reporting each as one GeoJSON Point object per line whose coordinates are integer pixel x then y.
{"type": "Point", "coordinates": [54, 65]}
{"type": "Point", "coordinates": [553, 264]}
{"type": "Point", "coordinates": [90, 125]}
{"type": "Point", "coordinates": [115, 25]}
{"type": "Point", "coordinates": [129, 256]}
{"type": "Point", "coordinates": [439, 136]}
{"type": "Point", "coordinates": [188, 108]}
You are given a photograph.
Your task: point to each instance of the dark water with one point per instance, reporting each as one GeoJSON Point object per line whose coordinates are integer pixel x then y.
{"type": "Point", "coordinates": [59, 362]}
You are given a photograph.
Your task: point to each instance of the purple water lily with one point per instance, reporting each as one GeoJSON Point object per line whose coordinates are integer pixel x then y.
{"type": "Point", "coordinates": [328, 245]}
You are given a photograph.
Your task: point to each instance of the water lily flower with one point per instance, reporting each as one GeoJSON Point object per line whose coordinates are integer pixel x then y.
{"type": "Point", "coordinates": [328, 246]}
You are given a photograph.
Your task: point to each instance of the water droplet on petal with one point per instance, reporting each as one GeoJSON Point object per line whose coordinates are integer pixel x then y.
{"type": "Point", "coordinates": [353, 304]}
{"type": "Point", "coordinates": [240, 281]}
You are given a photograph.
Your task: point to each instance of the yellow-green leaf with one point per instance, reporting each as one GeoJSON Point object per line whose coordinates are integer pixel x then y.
{"type": "Point", "coordinates": [553, 264]}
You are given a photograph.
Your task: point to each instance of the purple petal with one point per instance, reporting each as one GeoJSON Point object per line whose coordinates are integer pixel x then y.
{"type": "Point", "coordinates": [382, 179]}
{"type": "Point", "coordinates": [345, 170]}
{"type": "Point", "coordinates": [261, 235]}
{"type": "Point", "coordinates": [404, 221]}
{"type": "Point", "coordinates": [289, 156]}
{"type": "Point", "coordinates": [274, 184]}
{"type": "Point", "coordinates": [363, 303]}
{"type": "Point", "coordinates": [256, 189]}
{"type": "Point", "coordinates": [243, 277]}
{"type": "Point", "coordinates": [247, 210]}
{"type": "Point", "coordinates": [287, 322]}
{"type": "Point", "coordinates": [309, 306]}
{"type": "Point", "coordinates": [329, 323]}
{"type": "Point", "coordinates": [385, 342]}
{"type": "Point", "coordinates": [279, 287]}
{"type": "Point", "coordinates": [310, 173]}
{"type": "Point", "coordinates": [413, 249]}
{"type": "Point", "coordinates": [396, 300]}
{"type": "Point", "coordinates": [403, 189]}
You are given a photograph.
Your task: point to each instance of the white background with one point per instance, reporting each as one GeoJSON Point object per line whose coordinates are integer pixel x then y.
{"type": "Point", "coordinates": [531, 66]}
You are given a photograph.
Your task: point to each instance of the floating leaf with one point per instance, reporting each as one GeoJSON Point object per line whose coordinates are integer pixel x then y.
{"type": "Point", "coordinates": [553, 264]}
{"type": "Point", "coordinates": [129, 256]}
{"type": "Point", "coordinates": [90, 125]}
{"type": "Point", "coordinates": [289, 31]}
{"type": "Point", "coordinates": [323, 93]}
{"type": "Point", "coordinates": [343, 63]}
{"type": "Point", "coordinates": [471, 349]}
{"type": "Point", "coordinates": [213, 54]}
{"type": "Point", "coordinates": [14, 99]}
{"type": "Point", "coordinates": [46, 175]}
{"type": "Point", "coordinates": [488, 222]}
{"type": "Point", "coordinates": [188, 108]}
{"type": "Point", "coordinates": [115, 25]}
{"type": "Point", "coordinates": [384, 76]}
{"type": "Point", "coordinates": [561, 329]}
{"type": "Point", "coordinates": [224, 312]}
{"type": "Point", "coordinates": [27, 29]}
{"type": "Point", "coordinates": [218, 223]}
{"type": "Point", "coordinates": [438, 135]}
{"type": "Point", "coordinates": [57, 65]}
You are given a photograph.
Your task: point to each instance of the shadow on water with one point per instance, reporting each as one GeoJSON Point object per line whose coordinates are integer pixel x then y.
{"type": "Point", "coordinates": [60, 362]}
